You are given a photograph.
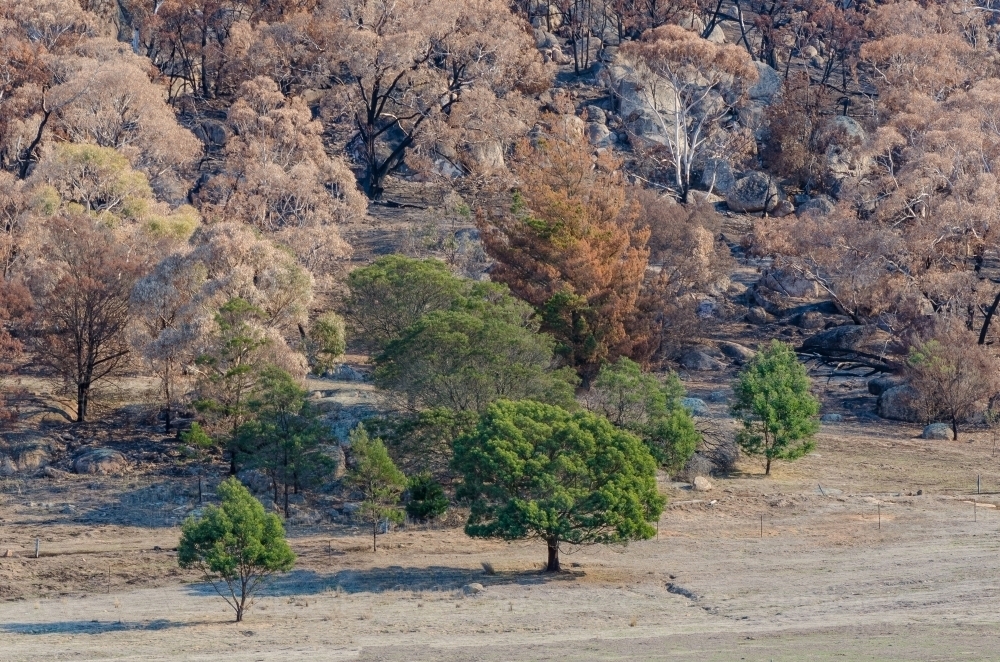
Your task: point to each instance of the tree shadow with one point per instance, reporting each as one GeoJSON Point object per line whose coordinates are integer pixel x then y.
{"type": "Point", "coordinates": [392, 578]}
{"type": "Point", "coordinates": [89, 627]}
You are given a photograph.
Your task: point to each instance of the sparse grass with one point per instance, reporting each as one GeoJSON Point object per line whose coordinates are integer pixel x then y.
{"type": "Point", "coordinates": [488, 568]}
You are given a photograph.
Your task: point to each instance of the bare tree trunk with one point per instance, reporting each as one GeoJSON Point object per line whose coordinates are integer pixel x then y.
{"type": "Point", "coordinates": [374, 533]}
{"type": "Point", "coordinates": [954, 427]}
{"type": "Point", "coordinates": [767, 467]}
{"type": "Point", "coordinates": [82, 393]}
{"type": "Point", "coordinates": [286, 500]}
{"type": "Point", "coordinates": [553, 565]}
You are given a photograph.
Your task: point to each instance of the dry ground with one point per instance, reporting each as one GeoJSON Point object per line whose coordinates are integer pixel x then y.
{"type": "Point", "coordinates": [824, 582]}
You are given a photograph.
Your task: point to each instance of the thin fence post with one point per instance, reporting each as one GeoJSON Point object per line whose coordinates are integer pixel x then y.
{"type": "Point", "coordinates": [879, 517]}
{"type": "Point", "coordinates": [978, 484]}
{"type": "Point", "coordinates": [37, 542]}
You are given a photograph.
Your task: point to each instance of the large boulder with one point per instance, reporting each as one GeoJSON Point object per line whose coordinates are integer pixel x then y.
{"type": "Point", "coordinates": [841, 140]}
{"type": "Point", "coordinates": [695, 359]}
{"type": "Point", "coordinates": [880, 385]}
{"type": "Point", "coordinates": [819, 206]}
{"type": "Point", "coordinates": [644, 108]}
{"type": "Point", "coordinates": [100, 461]}
{"type": "Point", "coordinates": [756, 192]}
{"type": "Point", "coordinates": [598, 135]}
{"type": "Point", "coordinates": [737, 352]}
{"type": "Point", "coordinates": [717, 175]}
{"type": "Point", "coordinates": [695, 406]}
{"type": "Point", "coordinates": [791, 283]}
{"type": "Point", "coordinates": [897, 404]}
{"type": "Point", "coordinates": [846, 338]}
{"type": "Point", "coordinates": [768, 85]}
{"type": "Point", "coordinates": [26, 452]}
{"type": "Point", "coordinates": [939, 431]}
{"type": "Point", "coordinates": [486, 156]}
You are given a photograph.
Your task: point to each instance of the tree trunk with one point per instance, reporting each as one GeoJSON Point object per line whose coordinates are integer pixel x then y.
{"type": "Point", "coordinates": [82, 392]}
{"type": "Point", "coordinates": [166, 392]}
{"type": "Point", "coordinates": [374, 533]}
{"type": "Point", "coordinates": [767, 467]}
{"type": "Point", "coordinates": [954, 427]}
{"type": "Point", "coordinates": [286, 500]}
{"type": "Point", "coordinates": [553, 565]}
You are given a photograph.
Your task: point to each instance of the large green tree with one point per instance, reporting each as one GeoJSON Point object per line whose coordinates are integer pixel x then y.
{"type": "Point", "coordinates": [486, 347]}
{"type": "Point", "coordinates": [237, 545]}
{"type": "Point", "coordinates": [533, 470]}
{"type": "Point", "coordinates": [773, 402]}
{"type": "Point", "coordinates": [388, 296]}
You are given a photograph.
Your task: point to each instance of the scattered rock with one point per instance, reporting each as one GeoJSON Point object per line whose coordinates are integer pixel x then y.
{"type": "Point", "coordinates": [694, 359]}
{"type": "Point", "coordinates": [790, 283]}
{"type": "Point", "coordinates": [880, 385]}
{"type": "Point", "coordinates": [831, 418]}
{"type": "Point", "coordinates": [717, 396]}
{"type": "Point", "coordinates": [850, 337]}
{"type": "Point", "coordinates": [596, 114]}
{"type": "Point", "coordinates": [53, 473]}
{"type": "Point", "coordinates": [754, 193]}
{"type": "Point", "coordinates": [701, 484]}
{"type": "Point", "coordinates": [696, 406]}
{"type": "Point", "coordinates": [809, 52]}
{"type": "Point", "coordinates": [718, 176]}
{"type": "Point", "coordinates": [784, 208]}
{"type": "Point", "coordinates": [8, 554]}
{"type": "Point", "coordinates": [345, 373]}
{"type": "Point", "coordinates": [941, 431]}
{"type": "Point", "coordinates": [896, 404]}
{"type": "Point", "coordinates": [475, 588]}
{"type": "Point", "coordinates": [757, 315]}
{"type": "Point", "coordinates": [768, 84]}
{"type": "Point", "coordinates": [821, 205]}
{"type": "Point", "coordinates": [810, 319]}
{"type": "Point", "coordinates": [736, 351]}
{"type": "Point", "coordinates": [101, 461]}
{"type": "Point", "coordinates": [598, 134]}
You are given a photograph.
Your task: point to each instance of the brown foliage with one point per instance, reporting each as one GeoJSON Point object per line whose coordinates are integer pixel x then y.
{"type": "Point", "coordinates": [571, 247]}
{"type": "Point", "coordinates": [400, 74]}
{"type": "Point", "coordinates": [951, 376]}
{"type": "Point", "coordinates": [687, 258]}
{"type": "Point", "coordinates": [82, 309]}
{"type": "Point", "coordinates": [705, 81]}
{"type": "Point", "coordinates": [278, 177]}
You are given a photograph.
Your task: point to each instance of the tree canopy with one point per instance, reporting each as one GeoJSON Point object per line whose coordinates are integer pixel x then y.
{"type": "Point", "coordinates": [774, 405]}
{"type": "Point", "coordinates": [532, 470]}
{"type": "Point", "coordinates": [236, 545]}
